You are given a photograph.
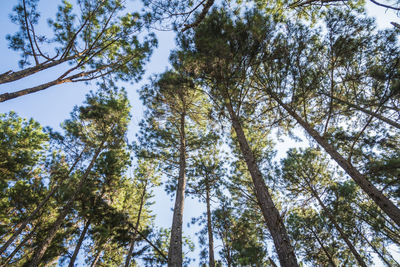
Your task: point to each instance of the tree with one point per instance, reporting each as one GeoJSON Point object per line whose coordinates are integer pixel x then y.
{"type": "Point", "coordinates": [293, 89]}
{"type": "Point", "coordinates": [100, 40]}
{"type": "Point", "coordinates": [206, 175]}
{"type": "Point", "coordinates": [22, 186]}
{"type": "Point", "coordinates": [102, 123]}
{"type": "Point", "coordinates": [145, 178]}
{"type": "Point", "coordinates": [225, 50]}
{"type": "Point", "coordinates": [168, 134]}
{"type": "Point", "coordinates": [305, 173]}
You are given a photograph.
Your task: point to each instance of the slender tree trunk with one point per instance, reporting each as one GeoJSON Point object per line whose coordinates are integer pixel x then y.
{"type": "Point", "coordinates": [132, 243]}
{"type": "Point", "coordinates": [96, 259]}
{"type": "Point", "coordinates": [26, 238]}
{"type": "Point", "coordinates": [224, 239]}
{"type": "Point", "coordinates": [79, 244]}
{"type": "Point", "coordinates": [366, 111]}
{"type": "Point", "coordinates": [343, 235]}
{"type": "Point", "coordinates": [323, 247]}
{"type": "Point", "coordinates": [209, 229]}
{"type": "Point", "coordinates": [380, 199]}
{"type": "Point", "coordinates": [38, 208]}
{"type": "Point", "coordinates": [130, 252]}
{"type": "Point", "coordinates": [175, 246]}
{"type": "Point", "coordinates": [381, 256]}
{"type": "Point", "coordinates": [41, 248]}
{"type": "Point", "coordinates": [272, 262]}
{"type": "Point", "coordinates": [271, 214]}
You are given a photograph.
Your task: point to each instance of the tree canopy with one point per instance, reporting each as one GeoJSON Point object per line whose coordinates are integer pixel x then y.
{"type": "Point", "coordinates": [246, 80]}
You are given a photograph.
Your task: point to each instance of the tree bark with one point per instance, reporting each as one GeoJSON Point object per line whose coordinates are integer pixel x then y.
{"type": "Point", "coordinates": [60, 80]}
{"type": "Point", "coordinates": [380, 199]}
{"type": "Point", "coordinates": [8, 96]}
{"type": "Point", "coordinates": [175, 246]}
{"type": "Point", "coordinates": [271, 214]}
{"type": "Point", "coordinates": [211, 259]}
{"type": "Point", "coordinates": [11, 76]}
{"type": "Point", "coordinates": [38, 208]}
{"type": "Point", "coordinates": [79, 244]}
{"type": "Point", "coordinates": [41, 248]}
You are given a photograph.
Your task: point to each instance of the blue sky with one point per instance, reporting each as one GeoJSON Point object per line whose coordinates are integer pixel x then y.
{"type": "Point", "coordinates": [50, 107]}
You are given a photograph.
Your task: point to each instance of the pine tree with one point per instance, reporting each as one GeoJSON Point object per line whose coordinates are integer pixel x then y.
{"type": "Point", "coordinates": [102, 42]}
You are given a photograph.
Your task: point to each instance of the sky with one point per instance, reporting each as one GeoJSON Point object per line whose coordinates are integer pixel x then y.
{"type": "Point", "coordinates": [50, 107]}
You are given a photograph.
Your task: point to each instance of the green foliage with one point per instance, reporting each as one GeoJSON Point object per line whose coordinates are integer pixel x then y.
{"type": "Point", "coordinates": [23, 147]}
{"type": "Point", "coordinates": [329, 65]}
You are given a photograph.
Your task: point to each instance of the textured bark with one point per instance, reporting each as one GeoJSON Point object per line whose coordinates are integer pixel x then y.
{"type": "Point", "coordinates": [132, 243]}
{"type": "Point", "coordinates": [380, 199]}
{"type": "Point", "coordinates": [200, 17]}
{"type": "Point", "coordinates": [41, 248]}
{"type": "Point", "coordinates": [175, 246]}
{"type": "Point", "coordinates": [11, 76]}
{"type": "Point", "coordinates": [271, 214]}
{"type": "Point", "coordinates": [38, 208]}
{"type": "Point", "coordinates": [211, 260]}
{"type": "Point", "coordinates": [366, 111]}
{"type": "Point", "coordinates": [8, 96]}
{"type": "Point", "coordinates": [79, 244]}
{"type": "Point", "coordinates": [60, 80]}
{"type": "Point", "coordinates": [343, 235]}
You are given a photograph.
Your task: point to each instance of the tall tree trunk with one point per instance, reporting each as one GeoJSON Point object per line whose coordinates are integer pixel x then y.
{"type": "Point", "coordinates": [271, 214]}
{"type": "Point", "coordinates": [132, 243]}
{"type": "Point", "coordinates": [38, 208]}
{"type": "Point", "coordinates": [209, 229]}
{"type": "Point", "coordinates": [43, 246]}
{"type": "Point", "coordinates": [323, 247]}
{"type": "Point", "coordinates": [79, 244]}
{"type": "Point", "coordinates": [343, 235]}
{"type": "Point", "coordinates": [366, 111]}
{"type": "Point", "coordinates": [130, 252]}
{"type": "Point", "coordinates": [380, 199]}
{"type": "Point", "coordinates": [211, 260]}
{"type": "Point", "coordinates": [175, 246]}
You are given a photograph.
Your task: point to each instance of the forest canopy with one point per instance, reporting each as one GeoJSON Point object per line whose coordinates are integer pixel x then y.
{"type": "Point", "coordinates": [274, 130]}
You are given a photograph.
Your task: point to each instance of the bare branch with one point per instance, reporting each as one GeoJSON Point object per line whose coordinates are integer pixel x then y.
{"type": "Point", "coordinates": [28, 33]}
